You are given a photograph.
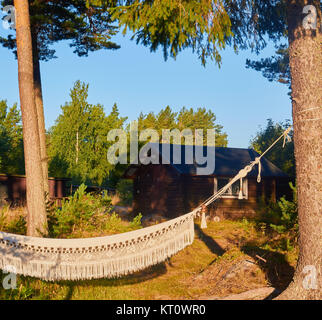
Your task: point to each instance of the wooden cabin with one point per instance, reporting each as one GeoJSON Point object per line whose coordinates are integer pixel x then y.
{"type": "Point", "coordinates": [13, 189]}
{"type": "Point", "coordinates": [173, 189]}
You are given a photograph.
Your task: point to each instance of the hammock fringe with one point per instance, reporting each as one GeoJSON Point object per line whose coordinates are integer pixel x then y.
{"type": "Point", "coordinates": [119, 258]}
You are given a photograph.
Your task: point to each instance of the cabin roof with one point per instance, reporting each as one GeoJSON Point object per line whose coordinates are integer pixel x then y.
{"type": "Point", "coordinates": [228, 161]}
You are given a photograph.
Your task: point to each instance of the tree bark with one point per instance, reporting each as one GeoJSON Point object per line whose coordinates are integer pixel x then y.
{"type": "Point", "coordinates": [306, 71]}
{"type": "Point", "coordinates": [40, 113]}
{"type": "Point", "coordinates": [36, 219]}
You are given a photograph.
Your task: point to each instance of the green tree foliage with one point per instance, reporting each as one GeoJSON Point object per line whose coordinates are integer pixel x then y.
{"type": "Point", "coordinates": [281, 217]}
{"type": "Point", "coordinates": [11, 143]}
{"type": "Point", "coordinates": [78, 140]}
{"type": "Point", "coordinates": [281, 157]}
{"type": "Point", "coordinates": [202, 25]}
{"type": "Point", "coordinates": [87, 29]}
{"type": "Point", "coordinates": [288, 214]}
{"type": "Point", "coordinates": [201, 119]}
{"type": "Point", "coordinates": [274, 68]}
{"type": "Point", "coordinates": [253, 24]}
{"type": "Point", "coordinates": [174, 25]}
{"type": "Point", "coordinates": [124, 189]}
{"type": "Point", "coordinates": [207, 27]}
{"type": "Point", "coordinates": [84, 214]}
{"type": "Point", "coordinates": [184, 119]}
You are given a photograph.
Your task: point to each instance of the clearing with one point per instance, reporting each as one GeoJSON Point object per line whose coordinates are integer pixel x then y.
{"type": "Point", "coordinates": [227, 258]}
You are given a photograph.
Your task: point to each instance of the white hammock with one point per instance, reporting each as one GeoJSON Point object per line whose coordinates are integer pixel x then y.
{"type": "Point", "coordinates": [105, 257]}
{"type": "Point", "coordinates": [101, 257]}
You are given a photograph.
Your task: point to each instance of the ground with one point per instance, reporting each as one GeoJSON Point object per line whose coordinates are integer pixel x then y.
{"type": "Point", "coordinates": [228, 257]}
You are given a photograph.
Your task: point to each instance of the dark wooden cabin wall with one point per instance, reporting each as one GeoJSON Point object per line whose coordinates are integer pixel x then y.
{"type": "Point", "coordinates": [235, 208]}
{"type": "Point", "coordinates": [163, 191]}
{"type": "Point", "coordinates": [157, 190]}
{"type": "Point", "coordinates": [13, 189]}
{"type": "Point", "coordinates": [197, 189]}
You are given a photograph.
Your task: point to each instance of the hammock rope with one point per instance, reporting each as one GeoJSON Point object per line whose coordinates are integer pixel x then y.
{"type": "Point", "coordinates": [110, 256]}
{"type": "Point", "coordinates": [242, 174]}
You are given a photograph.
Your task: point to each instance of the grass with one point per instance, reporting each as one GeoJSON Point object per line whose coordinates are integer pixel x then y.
{"type": "Point", "coordinates": [222, 260]}
{"type": "Point", "coordinates": [13, 220]}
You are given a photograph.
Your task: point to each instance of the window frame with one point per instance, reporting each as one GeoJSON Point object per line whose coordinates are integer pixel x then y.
{"type": "Point", "coordinates": [231, 196]}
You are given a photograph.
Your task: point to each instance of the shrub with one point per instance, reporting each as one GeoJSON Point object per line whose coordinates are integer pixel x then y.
{"type": "Point", "coordinates": [287, 214]}
{"type": "Point", "coordinates": [136, 223]}
{"type": "Point", "coordinates": [124, 189]}
{"type": "Point", "coordinates": [15, 224]}
{"type": "Point", "coordinates": [114, 224]}
{"type": "Point", "coordinates": [78, 211]}
{"type": "Point", "coordinates": [282, 218]}
{"type": "Point", "coordinates": [85, 214]}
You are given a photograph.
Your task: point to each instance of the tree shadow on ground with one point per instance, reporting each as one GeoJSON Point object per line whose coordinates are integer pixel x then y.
{"type": "Point", "coordinates": [146, 274]}
{"type": "Point", "coordinates": [212, 245]}
{"type": "Point", "coordinates": [278, 271]}
{"type": "Point", "coordinates": [134, 278]}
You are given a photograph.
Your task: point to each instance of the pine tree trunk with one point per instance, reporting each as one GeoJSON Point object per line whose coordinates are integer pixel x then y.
{"type": "Point", "coordinates": [306, 71]}
{"type": "Point", "coordinates": [36, 220]}
{"type": "Point", "coordinates": [40, 113]}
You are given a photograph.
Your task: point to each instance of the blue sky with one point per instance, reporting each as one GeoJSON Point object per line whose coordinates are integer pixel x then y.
{"type": "Point", "coordinates": [138, 80]}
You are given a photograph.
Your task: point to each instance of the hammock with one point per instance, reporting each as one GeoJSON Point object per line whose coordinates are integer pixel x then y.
{"type": "Point", "coordinates": [110, 256]}
{"type": "Point", "coordinates": [101, 257]}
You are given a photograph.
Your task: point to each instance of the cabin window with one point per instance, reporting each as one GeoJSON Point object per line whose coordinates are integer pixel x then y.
{"type": "Point", "coordinates": [233, 190]}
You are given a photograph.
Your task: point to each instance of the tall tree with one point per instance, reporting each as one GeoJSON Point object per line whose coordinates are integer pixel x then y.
{"type": "Point", "coordinates": [202, 119]}
{"type": "Point", "coordinates": [89, 29]}
{"type": "Point", "coordinates": [281, 157]}
{"type": "Point", "coordinates": [37, 219]}
{"type": "Point", "coordinates": [203, 26]}
{"type": "Point", "coordinates": [165, 119]}
{"type": "Point", "coordinates": [78, 140]}
{"type": "Point", "coordinates": [184, 119]}
{"type": "Point", "coordinates": [11, 144]}
{"type": "Point", "coordinates": [306, 69]}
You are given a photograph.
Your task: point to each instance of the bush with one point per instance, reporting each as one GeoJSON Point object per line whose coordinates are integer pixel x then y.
{"type": "Point", "coordinates": [81, 215]}
{"type": "Point", "coordinates": [16, 224]}
{"type": "Point", "coordinates": [85, 214]}
{"type": "Point", "coordinates": [287, 214]}
{"type": "Point", "coordinates": [78, 211]}
{"type": "Point", "coordinates": [282, 217]}
{"type": "Point", "coordinates": [288, 224]}
{"type": "Point", "coordinates": [114, 224]}
{"type": "Point", "coordinates": [124, 190]}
